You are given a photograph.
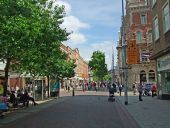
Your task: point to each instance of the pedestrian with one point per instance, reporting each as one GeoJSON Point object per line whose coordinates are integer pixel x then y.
{"type": "Point", "coordinates": [134, 88]}
{"type": "Point", "coordinates": [120, 89]}
{"type": "Point", "coordinates": [12, 99]}
{"type": "Point", "coordinates": [68, 88]}
{"type": "Point", "coordinates": [95, 86]}
{"type": "Point", "coordinates": [140, 89]}
{"type": "Point", "coordinates": [154, 90]}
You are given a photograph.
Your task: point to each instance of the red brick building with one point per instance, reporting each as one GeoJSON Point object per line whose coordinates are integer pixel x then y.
{"type": "Point", "coordinates": [138, 29]}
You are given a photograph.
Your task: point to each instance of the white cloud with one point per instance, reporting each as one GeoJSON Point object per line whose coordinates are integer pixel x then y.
{"type": "Point", "coordinates": [77, 38]}
{"type": "Point", "coordinates": [93, 12]}
{"type": "Point", "coordinates": [72, 23]}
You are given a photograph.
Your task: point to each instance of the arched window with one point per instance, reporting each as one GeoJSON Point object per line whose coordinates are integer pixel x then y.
{"type": "Point", "coordinates": [139, 36]}
{"type": "Point", "coordinates": [151, 76]}
{"type": "Point", "coordinates": [143, 76]}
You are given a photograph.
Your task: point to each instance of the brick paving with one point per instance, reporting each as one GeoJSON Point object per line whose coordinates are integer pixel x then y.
{"type": "Point", "coordinates": [149, 113]}
{"type": "Point", "coordinates": [88, 109]}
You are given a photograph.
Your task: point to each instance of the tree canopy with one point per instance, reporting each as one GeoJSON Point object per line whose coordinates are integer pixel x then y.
{"type": "Point", "coordinates": [98, 65]}
{"type": "Point", "coordinates": [30, 38]}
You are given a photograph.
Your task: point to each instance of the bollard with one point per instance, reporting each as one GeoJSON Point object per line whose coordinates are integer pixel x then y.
{"type": "Point", "coordinates": [73, 92]}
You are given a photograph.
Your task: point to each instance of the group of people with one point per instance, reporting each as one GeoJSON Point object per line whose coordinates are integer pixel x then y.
{"type": "Point", "coordinates": [136, 87]}
{"type": "Point", "coordinates": [20, 97]}
{"type": "Point", "coordinates": [114, 87]}
{"type": "Point", "coordinates": [141, 89]}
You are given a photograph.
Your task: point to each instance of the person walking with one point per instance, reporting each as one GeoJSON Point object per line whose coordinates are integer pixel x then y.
{"type": "Point", "coordinates": [120, 89]}
{"type": "Point", "coordinates": [12, 99]}
{"type": "Point", "coordinates": [134, 88]}
{"type": "Point", "coordinates": [140, 89]}
{"type": "Point", "coordinates": [154, 90]}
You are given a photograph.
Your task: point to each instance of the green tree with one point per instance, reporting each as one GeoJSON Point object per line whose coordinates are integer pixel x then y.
{"type": "Point", "coordinates": [30, 36]}
{"type": "Point", "coordinates": [97, 64]}
{"type": "Point", "coordinates": [108, 77]}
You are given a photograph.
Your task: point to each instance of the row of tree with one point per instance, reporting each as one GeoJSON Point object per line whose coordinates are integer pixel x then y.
{"type": "Point", "coordinates": [30, 39]}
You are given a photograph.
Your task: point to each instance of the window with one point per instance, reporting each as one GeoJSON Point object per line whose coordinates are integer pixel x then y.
{"type": "Point", "coordinates": [143, 19]}
{"type": "Point", "coordinates": [153, 2]}
{"type": "Point", "coordinates": [156, 28]}
{"type": "Point", "coordinates": [151, 76]}
{"type": "Point", "coordinates": [148, 2]}
{"type": "Point", "coordinates": [144, 56]}
{"type": "Point", "coordinates": [143, 76]}
{"type": "Point", "coordinates": [139, 36]}
{"type": "Point", "coordinates": [166, 18]}
{"type": "Point", "coordinates": [149, 37]}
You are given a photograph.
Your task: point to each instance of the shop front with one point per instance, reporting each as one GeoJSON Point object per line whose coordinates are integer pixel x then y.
{"type": "Point", "coordinates": [163, 68]}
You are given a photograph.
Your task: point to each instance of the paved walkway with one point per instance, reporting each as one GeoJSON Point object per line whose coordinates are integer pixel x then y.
{"type": "Point", "coordinates": [149, 113]}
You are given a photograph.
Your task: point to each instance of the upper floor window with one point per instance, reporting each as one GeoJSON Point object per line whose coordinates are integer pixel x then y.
{"type": "Point", "coordinates": [139, 37]}
{"type": "Point", "coordinates": [150, 37]}
{"type": "Point", "coordinates": [153, 2]}
{"type": "Point", "coordinates": [143, 19]}
{"type": "Point", "coordinates": [156, 28]}
{"type": "Point", "coordinates": [166, 17]}
{"type": "Point", "coordinates": [144, 56]}
{"type": "Point", "coordinates": [149, 2]}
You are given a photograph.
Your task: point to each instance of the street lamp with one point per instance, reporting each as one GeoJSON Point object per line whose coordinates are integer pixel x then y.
{"type": "Point", "coordinates": [124, 50]}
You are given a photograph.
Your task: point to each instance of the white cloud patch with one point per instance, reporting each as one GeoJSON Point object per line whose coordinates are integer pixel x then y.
{"type": "Point", "coordinates": [73, 25]}
{"type": "Point", "coordinates": [77, 38]}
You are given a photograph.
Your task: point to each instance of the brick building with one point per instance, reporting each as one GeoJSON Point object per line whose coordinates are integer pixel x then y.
{"type": "Point", "coordinates": [161, 44]}
{"type": "Point", "coordinates": [138, 29]}
{"type": "Point", "coordinates": [81, 70]}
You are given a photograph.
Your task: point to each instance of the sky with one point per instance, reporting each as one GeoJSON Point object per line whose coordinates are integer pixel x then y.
{"type": "Point", "coordinates": [95, 25]}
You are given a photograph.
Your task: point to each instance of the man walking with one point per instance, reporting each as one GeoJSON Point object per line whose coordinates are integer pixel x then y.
{"type": "Point", "coordinates": [140, 89]}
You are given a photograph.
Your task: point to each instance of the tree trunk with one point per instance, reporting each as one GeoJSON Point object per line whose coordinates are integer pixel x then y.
{"type": "Point", "coordinates": [48, 86]}
{"type": "Point", "coordinates": [5, 85]}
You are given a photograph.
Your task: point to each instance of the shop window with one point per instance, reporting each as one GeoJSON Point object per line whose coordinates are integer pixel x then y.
{"type": "Point", "coordinates": [167, 81]}
{"type": "Point", "coordinates": [151, 76]}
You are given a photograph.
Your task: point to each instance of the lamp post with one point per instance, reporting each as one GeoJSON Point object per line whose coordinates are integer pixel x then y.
{"type": "Point", "coordinates": [124, 50]}
{"type": "Point", "coordinates": [113, 71]}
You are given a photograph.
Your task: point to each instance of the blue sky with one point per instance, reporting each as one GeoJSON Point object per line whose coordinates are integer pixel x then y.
{"type": "Point", "coordinates": [95, 25]}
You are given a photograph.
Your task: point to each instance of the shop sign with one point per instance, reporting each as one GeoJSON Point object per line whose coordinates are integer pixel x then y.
{"type": "Point", "coordinates": [163, 63]}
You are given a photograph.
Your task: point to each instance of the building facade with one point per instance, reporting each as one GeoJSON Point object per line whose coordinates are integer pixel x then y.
{"type": "Point", "coordinates": [161, 44]}
{"type": "Point", "coordinates": [81, 70]}
{"type": "Point", "coordinates": [138, 30]}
